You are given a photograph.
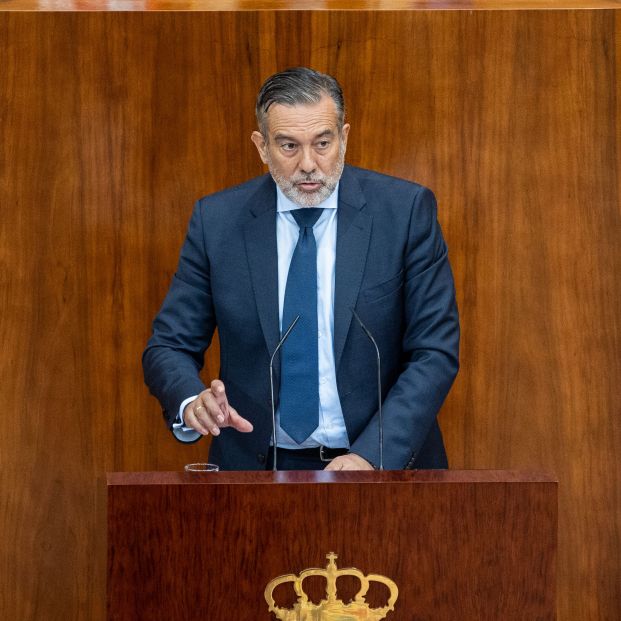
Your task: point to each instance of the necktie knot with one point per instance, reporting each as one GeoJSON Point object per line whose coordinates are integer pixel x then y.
{"type": "Point", "coordinates": [307, 216]}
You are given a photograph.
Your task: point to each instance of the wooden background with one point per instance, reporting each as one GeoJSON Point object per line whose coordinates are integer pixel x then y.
{"type": "Point", "coordinates": [112, 124]}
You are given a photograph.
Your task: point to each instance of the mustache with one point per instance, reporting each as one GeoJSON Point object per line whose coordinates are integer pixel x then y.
{"type": "Point", "coordinates": [309, 179]}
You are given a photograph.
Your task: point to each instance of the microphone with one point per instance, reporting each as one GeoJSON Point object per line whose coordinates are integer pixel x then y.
{"type": "Point", "coordinates": [379, 388]}
{"type": "Point", "coordinates": [280, 344]}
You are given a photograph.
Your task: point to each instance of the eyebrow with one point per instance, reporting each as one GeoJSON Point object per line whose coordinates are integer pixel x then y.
{"type": "Point", "coordinates": [323, 134]}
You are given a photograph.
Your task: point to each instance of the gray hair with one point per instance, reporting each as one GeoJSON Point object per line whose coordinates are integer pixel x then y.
{"type": "Point", "coordinates": [298, 85]}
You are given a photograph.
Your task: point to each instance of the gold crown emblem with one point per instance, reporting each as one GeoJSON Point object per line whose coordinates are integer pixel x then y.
{"type": "Point", "coordinates": [331, 608]}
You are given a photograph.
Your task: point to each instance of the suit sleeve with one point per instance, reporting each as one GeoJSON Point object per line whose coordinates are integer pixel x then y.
{"type": "Point", "coordinates": [430, 344]}
{"type": "Point", "coordinates": [183, 328]}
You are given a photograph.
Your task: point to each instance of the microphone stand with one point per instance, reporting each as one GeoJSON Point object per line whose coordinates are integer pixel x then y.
{"type": "Point", "coordinates": [379, 389]}
{"type": "Point", "coordinates": [280, 344]}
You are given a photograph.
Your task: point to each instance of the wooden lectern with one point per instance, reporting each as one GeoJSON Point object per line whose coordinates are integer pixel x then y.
{"type": "Point", "coordinates": [459, 545]}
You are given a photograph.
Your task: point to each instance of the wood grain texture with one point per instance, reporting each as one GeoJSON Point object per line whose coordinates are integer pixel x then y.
{"type": "Point", "coordinates": [113, 124]}
{"type": "Point", "coordinates": [298, 5]}
{"type": "Point", "coordinates": [474, 550]}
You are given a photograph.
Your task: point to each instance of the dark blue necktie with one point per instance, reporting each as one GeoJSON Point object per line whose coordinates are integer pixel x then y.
{"type": "Point", "coordinates": [299, 386]}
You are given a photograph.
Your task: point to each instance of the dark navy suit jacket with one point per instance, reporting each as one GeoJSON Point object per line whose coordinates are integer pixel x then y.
{"type": "Point", "coordinates": [391, 266]}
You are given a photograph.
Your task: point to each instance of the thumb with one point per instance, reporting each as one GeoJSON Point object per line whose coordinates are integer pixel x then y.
{"type": "Point", "coordinates": [238, 422]}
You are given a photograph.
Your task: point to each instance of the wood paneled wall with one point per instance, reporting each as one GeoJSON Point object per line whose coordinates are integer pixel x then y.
{"type": "Point", "coordinates": [112, 124]}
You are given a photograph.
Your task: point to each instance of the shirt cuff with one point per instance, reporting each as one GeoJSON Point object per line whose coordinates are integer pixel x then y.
{"type": "Point", "coordinates": [179, 430]}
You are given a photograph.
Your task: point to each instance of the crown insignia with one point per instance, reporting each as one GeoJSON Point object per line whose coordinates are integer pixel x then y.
{"type": "Point", "coordinates": [331, 608]}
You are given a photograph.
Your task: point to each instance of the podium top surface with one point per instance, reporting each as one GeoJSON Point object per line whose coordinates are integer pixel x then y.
{"type": "Point", "coordinates": [321, 476]}
{"type": "Point", "coordinates": [300, 5]}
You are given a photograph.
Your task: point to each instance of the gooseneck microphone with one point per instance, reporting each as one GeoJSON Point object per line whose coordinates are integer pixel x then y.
{"type": "Point", "coordinates": [379, 388]}
{"type": "Point", "coordinates": [280, 344]}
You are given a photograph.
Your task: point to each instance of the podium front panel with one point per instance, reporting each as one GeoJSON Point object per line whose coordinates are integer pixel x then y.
{"type": "Point", "coordinates": [472, 546]}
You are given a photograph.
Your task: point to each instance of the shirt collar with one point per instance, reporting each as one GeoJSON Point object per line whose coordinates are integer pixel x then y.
{"type": "Point", "coordinates": [284, 204]}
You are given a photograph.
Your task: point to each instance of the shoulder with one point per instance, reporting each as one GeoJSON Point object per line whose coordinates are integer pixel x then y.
{"type": "Point", "coordinates": [372, 182]}
{"type": "Point", "coordinates": [388, 194]}
{"type": "Point", "coordinates": [226, 212]}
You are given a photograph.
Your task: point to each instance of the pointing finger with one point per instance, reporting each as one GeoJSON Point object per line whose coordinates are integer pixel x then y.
{"type": "Point", "coordinates": [239, 422]}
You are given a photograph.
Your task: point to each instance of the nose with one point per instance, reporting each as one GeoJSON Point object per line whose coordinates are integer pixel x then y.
{"type": "Point", "coordinates": [307, 161]}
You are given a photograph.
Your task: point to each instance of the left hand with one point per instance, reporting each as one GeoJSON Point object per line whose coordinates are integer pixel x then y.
{"type": "Point", "coordinates": [351, 461]}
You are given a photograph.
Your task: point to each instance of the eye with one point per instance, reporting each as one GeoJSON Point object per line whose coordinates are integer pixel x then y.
{"type": "Point", "coordinates": [323, 144]}
{"type": "Point", "coordinates": [288, 146]}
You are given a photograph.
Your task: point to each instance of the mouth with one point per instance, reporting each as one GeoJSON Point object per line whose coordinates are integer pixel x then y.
{"type": "Point", "coordinates": [309, 186]}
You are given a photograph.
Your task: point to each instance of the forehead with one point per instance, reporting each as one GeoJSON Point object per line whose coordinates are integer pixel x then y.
{"type": "Point", "coordinates": [303, 118]}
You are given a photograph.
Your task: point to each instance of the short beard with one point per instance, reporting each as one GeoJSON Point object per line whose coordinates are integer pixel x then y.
{"type": "Point", "coordinates": [310, 199]}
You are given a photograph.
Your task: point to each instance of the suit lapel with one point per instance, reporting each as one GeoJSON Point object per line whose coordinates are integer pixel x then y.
{"type": "Point", "coordinates": [262, 251]}
{"type": "Point", "coordinates": [352, 245]}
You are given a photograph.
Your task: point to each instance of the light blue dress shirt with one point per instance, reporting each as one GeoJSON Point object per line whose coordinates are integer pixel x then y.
{"type": "Point", "coordinates": [331, 431]}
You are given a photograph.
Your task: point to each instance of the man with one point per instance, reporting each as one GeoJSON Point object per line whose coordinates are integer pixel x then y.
{"type": "Point", "coordinates": [312, 240]}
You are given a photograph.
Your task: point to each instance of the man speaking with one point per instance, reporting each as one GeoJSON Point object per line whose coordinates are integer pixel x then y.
{"type": "Point", "coordinates": [312, 240]}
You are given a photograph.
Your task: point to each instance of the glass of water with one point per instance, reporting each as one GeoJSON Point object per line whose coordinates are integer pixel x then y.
{"type": "Point", "coordinates": [201, 468]}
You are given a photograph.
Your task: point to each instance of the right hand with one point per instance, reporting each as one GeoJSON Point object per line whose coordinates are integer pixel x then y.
{"type": "Point", "coordinates": [210, 412]}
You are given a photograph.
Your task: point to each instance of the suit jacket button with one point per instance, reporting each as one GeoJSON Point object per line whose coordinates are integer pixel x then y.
{"type": "Point", "coordinates": [261, 458]}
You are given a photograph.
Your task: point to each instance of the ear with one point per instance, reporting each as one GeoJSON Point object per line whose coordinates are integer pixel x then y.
{"type": "Point", "coordinates": [260, 144]}
{"type": "Point", "coordinates": [344, 134]}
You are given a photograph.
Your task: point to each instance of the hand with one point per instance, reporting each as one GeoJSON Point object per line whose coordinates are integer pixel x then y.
{"type": "Point", "coordinates": [210, 411]}
{"type": "Point", "coordinates": [351, 461]}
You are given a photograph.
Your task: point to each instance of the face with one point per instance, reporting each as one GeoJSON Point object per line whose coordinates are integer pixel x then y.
{"type": "Point", "coordinates": [304, 150]}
